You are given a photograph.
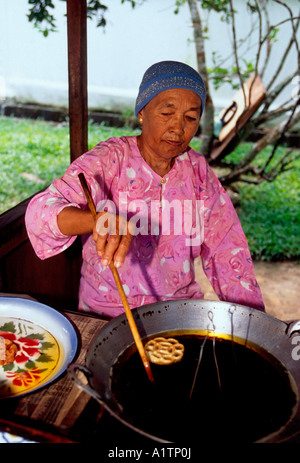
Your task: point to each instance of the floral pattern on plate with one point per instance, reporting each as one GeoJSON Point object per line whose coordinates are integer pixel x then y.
{"type": "Point", "coordinates": [37, 358]}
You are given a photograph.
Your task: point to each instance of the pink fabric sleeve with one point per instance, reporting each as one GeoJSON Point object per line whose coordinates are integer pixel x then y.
{"type": "Point", "coordinates": [41, 224]}
{"type": "Point", "coordinates": [41, 215]}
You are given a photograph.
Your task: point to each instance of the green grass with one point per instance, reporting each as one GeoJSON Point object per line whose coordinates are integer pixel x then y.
{"type": "Point", "coordinates": [38, 148]}
{"type": "Point", "coordinates": [270, 217]}
{"type": "Point", "coordinates": [269, 213]}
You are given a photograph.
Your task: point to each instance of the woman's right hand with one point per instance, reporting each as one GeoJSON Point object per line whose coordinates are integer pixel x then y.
{"type": "Point", "coordinates": [113, 235]}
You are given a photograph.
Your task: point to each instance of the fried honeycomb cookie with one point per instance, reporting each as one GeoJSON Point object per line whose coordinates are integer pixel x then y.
{"type": "Point", "coordinates": [164, 351]}
{"type": "Point", "coordinates": [8, 351]}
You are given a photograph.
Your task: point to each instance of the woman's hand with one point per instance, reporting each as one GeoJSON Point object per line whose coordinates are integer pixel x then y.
{"type": "Point", "coordinates": [112, 235]}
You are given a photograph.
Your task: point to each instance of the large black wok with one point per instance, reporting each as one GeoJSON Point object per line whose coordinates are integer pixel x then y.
{"type": "Point", "coordinates": [270, 339]}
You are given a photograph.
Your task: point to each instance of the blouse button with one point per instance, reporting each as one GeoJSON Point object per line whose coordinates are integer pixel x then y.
{"type": "Point", "coordinates": [163, 180]}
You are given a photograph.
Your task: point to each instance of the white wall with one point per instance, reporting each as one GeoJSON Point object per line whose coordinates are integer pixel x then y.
{"type": "Point", "coordinates": [34, 68]}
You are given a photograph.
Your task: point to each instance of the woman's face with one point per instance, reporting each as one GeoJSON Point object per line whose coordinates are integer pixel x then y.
{"type": "Point", "coordinates": [170, 120]}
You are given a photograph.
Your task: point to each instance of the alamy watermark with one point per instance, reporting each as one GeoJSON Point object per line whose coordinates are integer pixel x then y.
{"type": "Point", "coordinates": [296, 349]}
{"type": "Point", "coordinates": [154, 217]}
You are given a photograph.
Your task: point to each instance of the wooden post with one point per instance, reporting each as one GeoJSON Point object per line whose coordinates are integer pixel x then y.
{"type": "Point", "coordinates": [77, 66]}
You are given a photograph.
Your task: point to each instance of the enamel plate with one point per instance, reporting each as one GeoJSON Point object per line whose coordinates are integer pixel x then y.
{"type": "Point", "coordinates": [46, 342]}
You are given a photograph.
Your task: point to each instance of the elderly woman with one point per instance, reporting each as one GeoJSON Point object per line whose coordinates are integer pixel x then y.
{"type": "Point", "coordinates": [159, 206]}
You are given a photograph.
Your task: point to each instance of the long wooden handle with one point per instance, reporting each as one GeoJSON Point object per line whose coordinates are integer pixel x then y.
{"type": "Point", "coordinates": [87, 194]}
{"type": "Point", "coordinates": [132, 325]}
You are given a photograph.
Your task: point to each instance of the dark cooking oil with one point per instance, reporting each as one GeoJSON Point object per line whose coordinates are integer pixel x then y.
{"type": "Point", "coordinates": [235, 395]}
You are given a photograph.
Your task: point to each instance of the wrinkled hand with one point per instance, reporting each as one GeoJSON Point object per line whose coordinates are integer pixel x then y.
{"type": "Point", "coordinates": [112, 235]}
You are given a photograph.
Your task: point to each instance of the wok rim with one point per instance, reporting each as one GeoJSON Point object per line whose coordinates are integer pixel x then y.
{"type": "Point", "coordinates": [289, 429]}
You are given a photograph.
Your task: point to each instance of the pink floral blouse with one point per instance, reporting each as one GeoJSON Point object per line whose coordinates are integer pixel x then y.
{"type": "Point", "coordinates": [179, 217]}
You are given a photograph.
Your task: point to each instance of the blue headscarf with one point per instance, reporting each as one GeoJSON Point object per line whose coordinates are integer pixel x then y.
{"type": "Point", "coordinates": [167, 75]}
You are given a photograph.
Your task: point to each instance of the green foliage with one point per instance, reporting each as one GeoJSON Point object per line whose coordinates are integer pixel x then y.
{"type": "Point", "coordinates": [44, 21]}
{"type": "Point", "coordinates": [101, 132]}
{"type": "Point", "coordinates": [271, 221]}
{"type": "Point", "coordinates": [220, 6]}
{"type": "Point", "coordinates": [220, 75]}
{"type": "Point", "coordinates": [39, 14]}
{"type": "Point", "coordinates": [94, 8]}
{"type": "Point", "coordinates": [270, 212]}
{"type": "Point", "coordinates": [29, 147]}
